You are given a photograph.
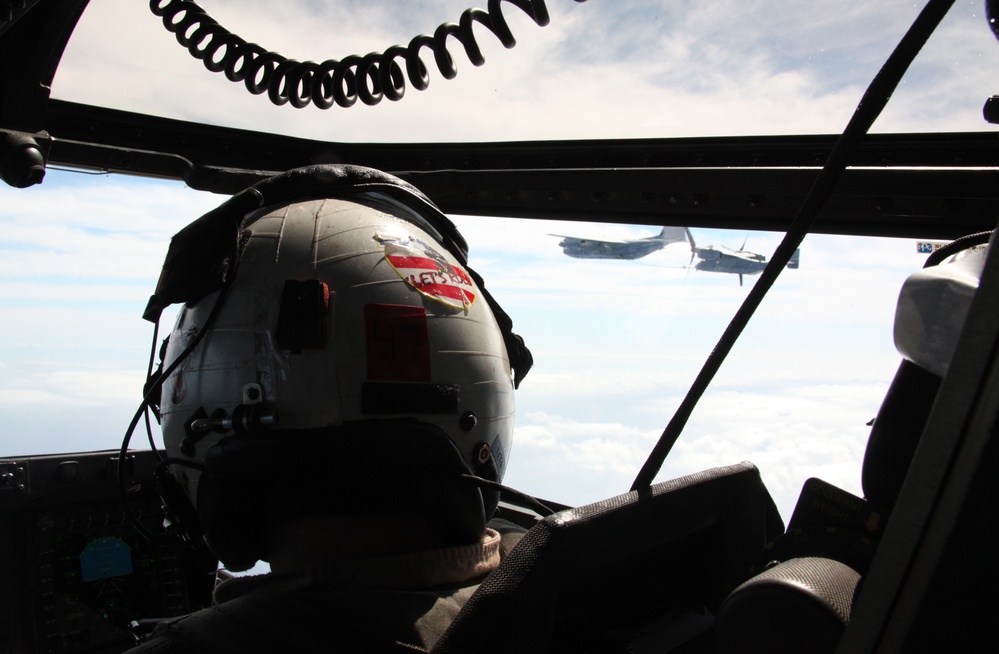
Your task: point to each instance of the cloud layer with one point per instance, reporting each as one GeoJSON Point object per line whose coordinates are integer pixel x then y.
{"type": "Point", "coordinates": [599, 70]}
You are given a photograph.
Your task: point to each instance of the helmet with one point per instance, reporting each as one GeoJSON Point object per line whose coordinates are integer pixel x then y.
{"type": "Point", "coordinates": [350, 361]}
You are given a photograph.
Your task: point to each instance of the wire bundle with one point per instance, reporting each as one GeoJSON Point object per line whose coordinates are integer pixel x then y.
{"type": "Point", "coordinates": [369, 78]}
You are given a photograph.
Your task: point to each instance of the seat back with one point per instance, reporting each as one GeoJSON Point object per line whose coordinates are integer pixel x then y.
{"type": "Point", "coordinates": [896, 432]}
{"type": "Point", "coordinates": [646, 565]}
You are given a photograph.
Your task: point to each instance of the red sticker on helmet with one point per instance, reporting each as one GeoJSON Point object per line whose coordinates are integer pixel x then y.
{"type": "Point", "coordinates": [397, 343]}
{"type": "Point", "coordinates": [427, 271]}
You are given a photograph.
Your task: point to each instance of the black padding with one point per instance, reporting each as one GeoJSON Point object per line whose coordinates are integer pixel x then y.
{"type": "Point", "coordinates": [594, 578]}
{"type": "Point", "coordinates": [363, 467]}
{"type": "Point", "coordinates": [800, 605]}
{"type": "Point", "coordinates": [387, 398]}
{"type": "Point", "coordinates": [896, 432]}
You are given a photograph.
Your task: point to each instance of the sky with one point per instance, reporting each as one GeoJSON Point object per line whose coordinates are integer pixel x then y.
{"type": "Point", "coordinates": [616, 343]}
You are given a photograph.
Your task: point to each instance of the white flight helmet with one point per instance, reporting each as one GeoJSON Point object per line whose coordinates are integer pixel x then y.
{"type": "Point", "coordinates": [348, 341]}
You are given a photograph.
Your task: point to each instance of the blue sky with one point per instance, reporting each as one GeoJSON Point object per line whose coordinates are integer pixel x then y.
{"type": "Point", "coordinates": [617, 343]}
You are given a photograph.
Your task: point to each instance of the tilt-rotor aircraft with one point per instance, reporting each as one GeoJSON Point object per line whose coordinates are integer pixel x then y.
{"type": "Point", "coordinates": [737, 262]}
{"type": "Point", "coordinates": [699, 554]}
{"type": "Point", "coordinates": [590, 248]}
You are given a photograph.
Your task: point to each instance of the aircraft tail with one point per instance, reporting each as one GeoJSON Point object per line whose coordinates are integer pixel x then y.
{"type": "Point", "coordinates": [673, 235]}
{"type": "Point", "coordinates": [795, 259]}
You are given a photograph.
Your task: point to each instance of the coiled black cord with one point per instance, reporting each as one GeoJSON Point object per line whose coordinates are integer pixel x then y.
{"type": "Point", "coordinates": [370, 78]}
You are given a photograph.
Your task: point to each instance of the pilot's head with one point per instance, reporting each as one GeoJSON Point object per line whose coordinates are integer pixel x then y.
{"type": "Point", "coordinates": [350, 364]}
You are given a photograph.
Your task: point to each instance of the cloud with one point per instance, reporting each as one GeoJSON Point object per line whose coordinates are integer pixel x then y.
{"type": "Point", "coordinates": [27, 397]}
{"type": "Point", "coordinates": [777, 431]}
{"type": "Point", "coordinates": [78, 388]}
{"type": "Point", "coordinates": [571, 461]}
{"type": "Point", "coordinates": [598, 70]}
{"type": "Point", "coordinates": [75, 227]}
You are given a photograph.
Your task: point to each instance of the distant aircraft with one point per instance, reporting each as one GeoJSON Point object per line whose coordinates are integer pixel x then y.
{"type": "Point", "coordinates": [738, 262]}
{"type": "Point", "coordinates": [586, 248]}
{"type": "Point", "coordinates": [927, 247]}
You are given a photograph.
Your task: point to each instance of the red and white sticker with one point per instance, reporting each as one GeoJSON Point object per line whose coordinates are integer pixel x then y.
{"type": "Point", "coordinates": [427, 271]}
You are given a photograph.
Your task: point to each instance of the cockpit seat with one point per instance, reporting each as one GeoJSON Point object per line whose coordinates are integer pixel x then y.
{"type": "Point", "coordinates": [803, 600]}
{"type": "Point", "coordinates": [643, 570]}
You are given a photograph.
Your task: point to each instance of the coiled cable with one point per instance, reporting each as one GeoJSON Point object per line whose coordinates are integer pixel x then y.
{"type": "Point", "coordinates": [370, 78]}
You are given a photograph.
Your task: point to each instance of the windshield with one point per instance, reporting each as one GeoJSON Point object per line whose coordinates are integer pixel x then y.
{"type": "Point", "coordinates": [644, 68]}
{"type": "Point", "coordinates": [616, 342]}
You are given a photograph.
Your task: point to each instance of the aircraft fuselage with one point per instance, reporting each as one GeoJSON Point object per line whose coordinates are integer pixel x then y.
{"type": "Point", "coordinates": [712, 260]}
{"type": "Point", "coordinates": [588, 249]}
